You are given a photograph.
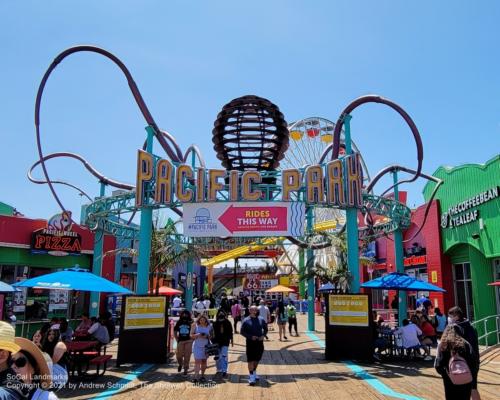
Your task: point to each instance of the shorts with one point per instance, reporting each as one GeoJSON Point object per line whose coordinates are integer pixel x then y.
{"type": "Point", "coordinates": [255, 349]}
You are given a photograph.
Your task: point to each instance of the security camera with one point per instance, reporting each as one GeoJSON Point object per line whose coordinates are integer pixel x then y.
{"type": "Point", "coordinates": [475, 235]}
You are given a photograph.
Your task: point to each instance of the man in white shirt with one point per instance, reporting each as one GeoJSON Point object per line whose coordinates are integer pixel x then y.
{"type": "Point", "coordinates": [99, 332]}
{"type": "Point", "coordinates": [409, 333]}
{"type": "Point", "coordinates": [199, 308]}
{"type": "Point", "coordinates": [264, 313]}
{"type": "Point", "coordinates": [176, 302]}
{"type": "Point", "coordinates": [206, 303]}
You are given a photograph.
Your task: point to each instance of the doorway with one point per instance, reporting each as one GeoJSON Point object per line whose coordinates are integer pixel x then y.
{"type": "Point", "coordinates": [463, 289]}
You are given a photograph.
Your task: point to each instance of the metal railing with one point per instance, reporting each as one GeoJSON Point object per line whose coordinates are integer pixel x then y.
{"type": "Point", "coordinates": [488, 331]}
{"type": "Point", "coordinates": [28, 328]}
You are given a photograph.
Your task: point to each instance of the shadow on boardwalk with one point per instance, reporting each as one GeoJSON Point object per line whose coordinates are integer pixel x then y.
{"type": "Point", "coordinates": [294, 369]}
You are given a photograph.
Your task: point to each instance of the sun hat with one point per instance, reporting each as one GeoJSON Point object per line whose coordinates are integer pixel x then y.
{"type": "Point", "coordinates": [36, 353]}
{"type": "Point", "coordinates": [7, 335]}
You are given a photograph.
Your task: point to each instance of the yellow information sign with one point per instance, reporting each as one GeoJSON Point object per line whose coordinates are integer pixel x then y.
{"type": "Point", "coordinates": [434, 276]}
{"type": "Point", "coordinates": [348, 310]}
{"type": "Point", "coordinates": [144, 312]}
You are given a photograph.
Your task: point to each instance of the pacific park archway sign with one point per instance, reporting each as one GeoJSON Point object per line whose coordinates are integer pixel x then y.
{"type": "Point", "coordinates": [258, 202]}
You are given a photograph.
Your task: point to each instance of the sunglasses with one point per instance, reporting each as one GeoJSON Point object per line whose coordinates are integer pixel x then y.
{"type": "Point", "coordinates": [19, 362]}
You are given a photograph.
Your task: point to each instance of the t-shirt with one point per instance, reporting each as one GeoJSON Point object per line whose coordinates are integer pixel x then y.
{"type": "Point", "coordinates": [199, 306]}
{"type": "Point", "coordinates": [44, 395]}
{"type": "Point", "coordinates": [236, 310]}
{"type": "Point", "coordinates": [184, 329]}
{"type": "Point", "coordinates": [100, 332]}
{"type": "Point", "coordinates": [441, 323]}
{"type": "Point", "coordinates": [68, 335]}
{"type": "Point", "coordinates": [176, 302]}
{"type": "Point", "coordinates": [410, 335]}
{"type": "Point", "coordinates": [264, 312]}
{"type": "Point", "coordinates": [427, 329]}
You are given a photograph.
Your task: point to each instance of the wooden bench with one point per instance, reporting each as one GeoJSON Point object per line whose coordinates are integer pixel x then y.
{"type": "Point", "coordinates": [100, 360]}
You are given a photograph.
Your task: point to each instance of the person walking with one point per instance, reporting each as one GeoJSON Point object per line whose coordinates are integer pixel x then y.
{"type": "Point", "coordinates": [282, 319]}
{"type": "Point", "coordinates": [457, 365]}
{"type": "Point", "coordinates": [254, 329]}
{"type": "Point", "coordinates": [201, 333]}
{"type": "Point", "coordinates": [264, 313]}
{"type": "Point", "coordinates": [463, 327]}
{"type": "Point", "coordinates": [236, 314]}
{"type": "Point", "coordinates": [224, 303]}
{"type": "Point", "coordinates": [223, 335]}
{"type": "Point", "coordinates": [199, 308]}
{"type": "Point", "coordinates": [182, 334]}
{"type": "Point", "coordinates": [292, 318]}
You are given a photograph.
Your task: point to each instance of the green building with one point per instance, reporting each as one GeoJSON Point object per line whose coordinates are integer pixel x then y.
{"type": "Point", "coordinates": [470, 233]}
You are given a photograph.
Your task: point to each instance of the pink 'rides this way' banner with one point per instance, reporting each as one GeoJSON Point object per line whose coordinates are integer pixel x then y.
{"type": "Point", "coordinates": [244, 219]}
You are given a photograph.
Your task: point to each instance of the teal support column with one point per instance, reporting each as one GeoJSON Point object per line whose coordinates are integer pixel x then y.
{"type": "Point", "coordinates": [97, 261]}
{"type": "Point", "coordinates": [399, 257]}
{"type": "Point", "coordinates": [188, 300]}
{"type": "Point", "coordinates": [310, 282]}
{"type": "Point", "coordinates": [189, 284]}
{"type": "Point", "coordinates": [302, 270]}
{"type": "Point", "coordinates": [351, 221]}
{"type": "Point", "coordinates": [146, 226]}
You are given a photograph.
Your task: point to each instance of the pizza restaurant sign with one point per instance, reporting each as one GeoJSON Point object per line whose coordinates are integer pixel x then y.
{"type": "Point", "coordinates": [466, 211]}
{"type": "Point", "coordinates": [57, 239]}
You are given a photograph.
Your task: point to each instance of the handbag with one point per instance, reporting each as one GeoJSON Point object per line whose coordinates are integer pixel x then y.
{"type": "Point", "coordinates": [212, 349]}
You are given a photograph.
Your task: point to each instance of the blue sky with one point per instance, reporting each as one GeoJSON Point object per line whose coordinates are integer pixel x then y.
{"type": "Point", "coordinates": [439, 60]}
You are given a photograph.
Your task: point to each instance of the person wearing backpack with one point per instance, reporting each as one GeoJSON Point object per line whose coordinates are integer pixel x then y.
{"type": "Point", "coordinates": [457, 365]}
{"type": "Point", "coordinates": [464, 328]}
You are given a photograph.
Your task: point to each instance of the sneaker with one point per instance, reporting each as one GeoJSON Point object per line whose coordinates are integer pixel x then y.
{"type": "Point", "coordinates": [251, 379]}
{"type": "Point", "coordinates": [257, 377]}
{"type": "Point", "coordinates": [285, 338]}
{"type": "Point", "coordinates": [185, 372]}
{"type": "Point", "coordinates": [428, 358]}
{"type": "Point", "coordinates": [179, 368]}
{"type": "Point", "coordinates": [224, 374]}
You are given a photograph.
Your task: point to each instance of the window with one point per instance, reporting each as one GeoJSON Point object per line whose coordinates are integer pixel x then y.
{"type": "Point", "coordinates": [463, 289]}
{"type": "Point", "coordinates": [380, 298]}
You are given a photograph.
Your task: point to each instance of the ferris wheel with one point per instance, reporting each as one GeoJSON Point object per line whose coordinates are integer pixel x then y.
{"type": "Point", "coordinates": [309, 139]}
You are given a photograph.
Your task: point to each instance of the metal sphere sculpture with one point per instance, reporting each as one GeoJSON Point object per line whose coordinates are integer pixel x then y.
{"type": "Point", "coordinates": [250, 133]}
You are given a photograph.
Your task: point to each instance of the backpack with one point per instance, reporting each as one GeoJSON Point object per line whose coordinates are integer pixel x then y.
{"type": "Point", "coordinates": [459, 371]}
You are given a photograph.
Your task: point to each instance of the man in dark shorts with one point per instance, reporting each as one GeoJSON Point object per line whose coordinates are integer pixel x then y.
{"type": "Point", "coordinates": [254, 329]}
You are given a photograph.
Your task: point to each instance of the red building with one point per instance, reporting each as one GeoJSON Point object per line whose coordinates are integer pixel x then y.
{"type": "Point", "coordinates": [22, 257]}
{"type": "Point", "coordinates": [424, 259]}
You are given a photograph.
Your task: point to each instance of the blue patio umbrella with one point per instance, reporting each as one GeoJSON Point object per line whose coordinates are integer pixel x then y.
{"type": "Point", "coordinates": [327, 287]}
{"type": "Point", "coordinates": [74, 279]}
{"type": "Point", "coordinates": [399, 281]}
{"type": "Point", "coordinates": [6, 288]}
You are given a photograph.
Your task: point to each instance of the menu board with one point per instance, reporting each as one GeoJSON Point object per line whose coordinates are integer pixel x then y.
{"type": "Point", "coordinates": [144, 312]}
{"type": "Point", "coordinates": [348, 310]}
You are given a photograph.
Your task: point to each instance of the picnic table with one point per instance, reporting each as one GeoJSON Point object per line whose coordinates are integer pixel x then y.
{"type": "Point", "coordinates": [77, 354]}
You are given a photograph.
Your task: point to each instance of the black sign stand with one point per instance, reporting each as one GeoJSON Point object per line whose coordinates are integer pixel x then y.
{"type": "Point", "coordinates": [138, 346]}
{"type": "Point", "coordinates": [348, 342]}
